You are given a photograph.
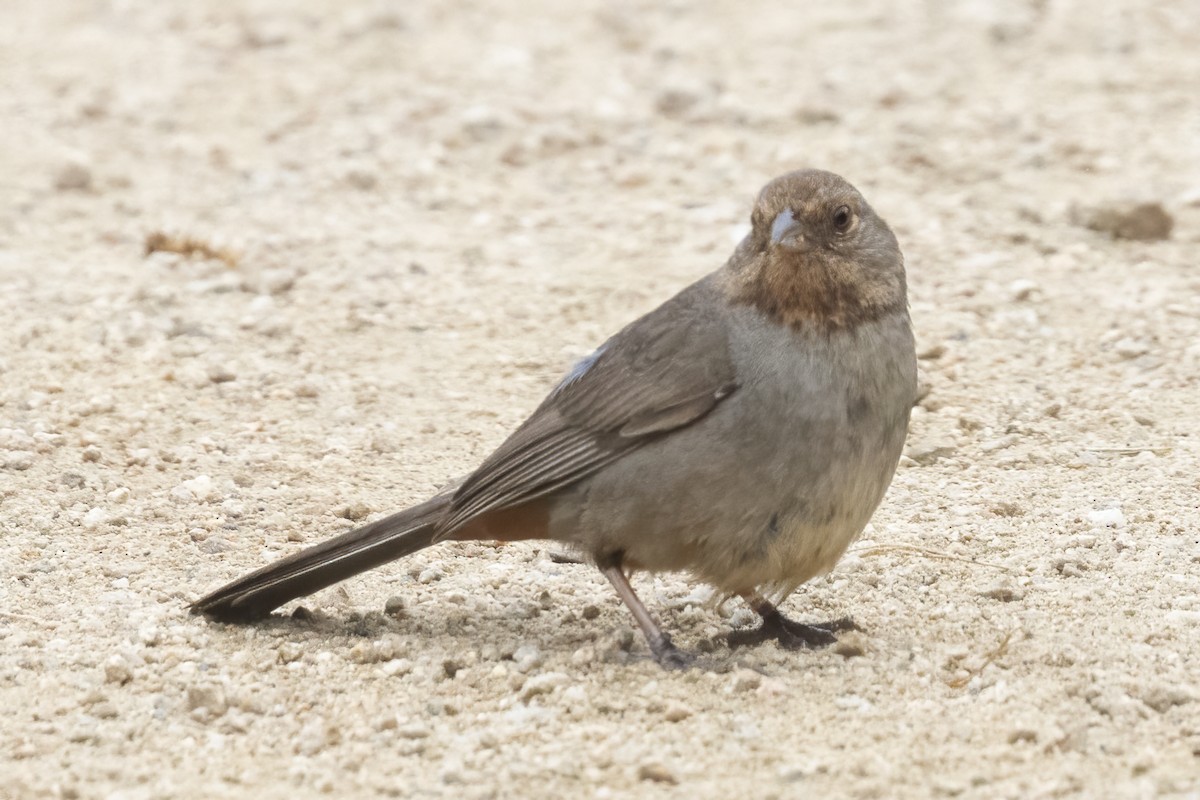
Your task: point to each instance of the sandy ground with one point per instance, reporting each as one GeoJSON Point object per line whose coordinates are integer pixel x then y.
{"type": "Point", "coordinates": [431, 209]}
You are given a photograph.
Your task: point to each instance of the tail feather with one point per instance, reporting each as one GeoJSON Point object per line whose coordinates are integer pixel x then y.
{"type": "Point", "coordinates": [255, 595]}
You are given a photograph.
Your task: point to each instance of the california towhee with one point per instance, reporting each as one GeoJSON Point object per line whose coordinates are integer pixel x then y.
{"type": "Point", "coordinates": [744, 431]}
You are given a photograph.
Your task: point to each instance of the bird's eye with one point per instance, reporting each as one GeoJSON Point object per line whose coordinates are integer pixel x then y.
{"type": "Point", "coordinates": [842, 219]}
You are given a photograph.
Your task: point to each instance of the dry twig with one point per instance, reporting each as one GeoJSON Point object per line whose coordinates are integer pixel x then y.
{"type": "Point", "coordinates": [159, 242]}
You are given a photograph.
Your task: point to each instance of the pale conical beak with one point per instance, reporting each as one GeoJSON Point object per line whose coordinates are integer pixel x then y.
{"type": "Point", "coordinates": [786, 230]}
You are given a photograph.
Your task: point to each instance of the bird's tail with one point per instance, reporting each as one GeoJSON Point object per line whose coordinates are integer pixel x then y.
{"type": "Point", "coordinates": [255, 595]}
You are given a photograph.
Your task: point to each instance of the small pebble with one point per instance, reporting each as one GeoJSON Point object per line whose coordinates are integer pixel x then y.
{"type": "Point", "coordinates": [208, 696]}
{"type": "Point", "coordinates": [117, 670]}
{"type": "Point", "coordinates": [215, 544]}
{"type": "Point", "coordinates": [527, 658]}
{"type": "Point", "coordinates": [277, 281]}
{"type": "Point", "coordinates": [930, 454]}
{"type": "Point", "coordinates": [1163, 698]}
{"type": "Point", "coordinates": [744, 680]}
{"type": "Point", "coordinates": [583, 656]}
{"type": "Point", "coordinates": [1003, 591]}
{"type": "Point", "coordinates": [1107, 517]}
{"type": "Point", "coordinates": [73, 177]}
{"type": "Point", "coordinates": [198, 489]}
{"type": "Point", "coordinates": [1022, 290]}
{"type": "Point", "coordinates": [1068, 567]}
{"type": "Point", "coordinates": [413, 731]}
{"type": "Point", "coordinates": [104, 710]}
{"type": "Point", "coordinates": [72, 480]}
{"type": "Point", "coordinates": [289, 652]}
{"type": "Point", "coordinates": [18, 461]}
{"type": "Point", "coordinates": [149, 635]}
{"type": "Point", "coordinates": [657, 773]}
{"type": "Point", "coordinates": [354, 511]}
{"type": "Point", "coordinates": [372, 652]}
{"type": "Point", "coordinates": [543, 684]}
{"type": "Point", "coordinates": [361, 179]}
{"type": "Point", "coordinates": [850, 645]}
{"type": "Point", "coordinates": [1007, 509]}
{"type": "Point", "coordinates": [676, 102]}
{"type": "Point", "coordinates": [1129, 349]}
{"type": "Point", "coordinates": [394, 606]}
{"type": "Point", "coordinates": [1127, 220]}
{"type": "Point", "coordinates": [396, 667]}
{"type": "Point", "coordinates": [314, 737]}
{"type": "Point", "coordinates": [676, 712]}
{"type": "Point", "coordinates": [1026, 735]}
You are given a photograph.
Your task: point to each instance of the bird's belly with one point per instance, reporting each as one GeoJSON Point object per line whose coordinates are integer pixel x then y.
{"type": "Point", "coordinates": [762, 515]}
{"type": "Point", "coordinates": [800, 540]}
{"type": "Point", "coordinates": [769, 489]}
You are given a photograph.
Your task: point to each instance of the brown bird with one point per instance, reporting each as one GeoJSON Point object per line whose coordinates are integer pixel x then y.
{"type": "Point", "coordinates": [744, 431]}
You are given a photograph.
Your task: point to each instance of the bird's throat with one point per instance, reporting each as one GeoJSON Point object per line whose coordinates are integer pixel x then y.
{"type": "Point", "coordinates": [811, 291]}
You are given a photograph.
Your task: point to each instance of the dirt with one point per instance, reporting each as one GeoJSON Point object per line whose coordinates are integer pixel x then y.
{"type": "Point", "coordinates": [270, 269]}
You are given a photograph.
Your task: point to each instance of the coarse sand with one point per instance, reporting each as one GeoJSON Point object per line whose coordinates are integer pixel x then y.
{"type": "Point", "coordinates": [270, 269]}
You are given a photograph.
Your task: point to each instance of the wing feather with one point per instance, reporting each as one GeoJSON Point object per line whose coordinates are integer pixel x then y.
{"type": "Point", "coordinates": [663, 371]}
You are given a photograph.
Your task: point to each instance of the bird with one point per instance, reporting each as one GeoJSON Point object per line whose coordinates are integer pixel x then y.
{"type": "Point", "coordinates": [744, 432]}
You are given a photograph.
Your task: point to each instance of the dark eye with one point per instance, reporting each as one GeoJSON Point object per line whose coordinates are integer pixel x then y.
{"type": "Point", "coordinates": [842, 219]}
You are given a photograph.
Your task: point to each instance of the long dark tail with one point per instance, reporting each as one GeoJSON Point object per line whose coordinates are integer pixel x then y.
{"type": "Point", "coordinates": [255, 595]}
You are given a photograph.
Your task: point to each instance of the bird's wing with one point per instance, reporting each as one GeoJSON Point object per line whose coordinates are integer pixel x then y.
{"type": "Point", "coordinates": [665, 370]}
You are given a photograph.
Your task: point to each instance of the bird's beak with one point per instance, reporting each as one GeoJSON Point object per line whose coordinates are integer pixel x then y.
{"type": "Point", "coordinates": [787, 231]}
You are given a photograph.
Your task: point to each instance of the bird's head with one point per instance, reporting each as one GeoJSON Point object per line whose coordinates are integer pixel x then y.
{"type": "Point", "coordinates": [818, 255]}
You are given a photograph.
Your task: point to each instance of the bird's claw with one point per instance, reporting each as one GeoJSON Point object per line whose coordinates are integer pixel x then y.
{"type": "Point", "coordinates": [790, 634]}
{"type": "Point", "coordinates": [669, 656]}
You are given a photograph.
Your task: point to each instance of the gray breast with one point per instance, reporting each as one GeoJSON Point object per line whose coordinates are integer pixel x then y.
{"type": "Point", "coordinates": [778, 477]}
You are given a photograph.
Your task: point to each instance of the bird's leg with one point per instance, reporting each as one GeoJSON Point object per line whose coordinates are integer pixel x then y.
{"type": "Point", "coordinates": [666, 653]}
{"type": "Point", "coordinates": [790, 634]}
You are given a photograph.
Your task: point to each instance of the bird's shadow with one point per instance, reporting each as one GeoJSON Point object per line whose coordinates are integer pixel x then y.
{"type": "Point", "coordinates": [614, 642]}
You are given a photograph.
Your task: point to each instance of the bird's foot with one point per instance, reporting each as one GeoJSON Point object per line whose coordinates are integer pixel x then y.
{"type": "Point", "coordinates": [790, 634]}
{"type": "Point", "coordinates": [669, 656]}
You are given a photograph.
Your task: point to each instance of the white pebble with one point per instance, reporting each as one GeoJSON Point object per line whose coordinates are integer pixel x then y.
{"type": "Point", "coordinates": [1022, 289]}
{"type": "Point", "coordinates": [413, 731]}
{"type": "Point", "coordinates": [15, 439]}
{"type": "Point", "coordinates": [527, 658]}
{"type": "Point", "coordinates": [20, 460]}
{"type": "Point", "coordinates": [543, 684]}
{"type": "Point", "coordinates": [313, 737]}
{"type": "Point", "coordinates": [1107, 517]}
{"type": "Point", "coordinates": [395, 667]}
{"type": "Point", "coordinates": [199, 489]}
{"type": "Point", "coordinates": [1131, 348]}
{"type": "Point", "coordinates": [117, 670]}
